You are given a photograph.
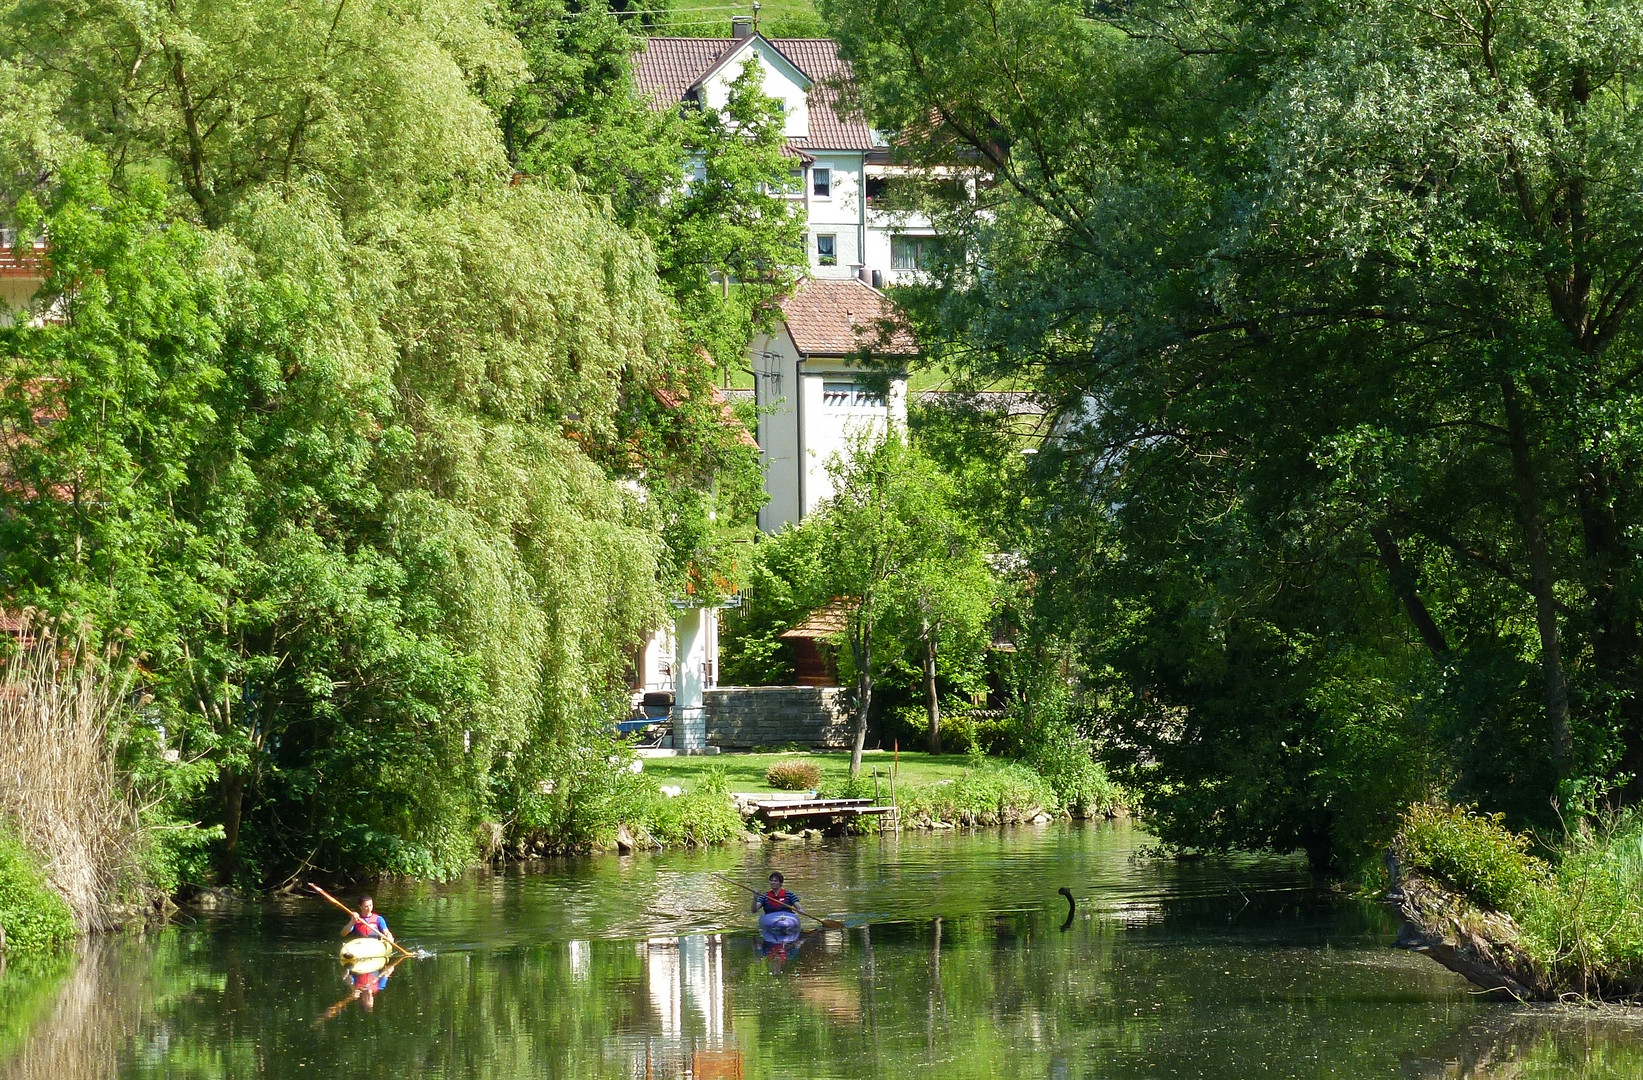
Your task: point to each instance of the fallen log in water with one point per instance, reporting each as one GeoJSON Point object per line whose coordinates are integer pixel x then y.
{"type": "Point", "coordinates": [1477, 944]}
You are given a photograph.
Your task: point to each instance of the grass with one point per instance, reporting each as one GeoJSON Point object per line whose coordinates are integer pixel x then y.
{"type": "Point", "coordinates": [746, 772]}
{"type": "Point", "coordinates": [711, 18]}
{"type": "Point", "coordinates": [1579, 914]}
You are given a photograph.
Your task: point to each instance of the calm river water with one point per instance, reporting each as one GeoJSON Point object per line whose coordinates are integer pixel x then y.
{"type": "Point", "coordinates": [956, 963]}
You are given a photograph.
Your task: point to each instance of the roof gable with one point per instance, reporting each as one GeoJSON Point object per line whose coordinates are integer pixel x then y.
{"type": "Point", "coordinates": [667, 68]}
{"type": "Point", "coordinates": [844, 317]}
{"type": "Point", "coordinates": [750, 43]}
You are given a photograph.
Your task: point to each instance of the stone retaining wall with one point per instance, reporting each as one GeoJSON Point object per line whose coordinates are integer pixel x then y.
{"type": "Point", "coordinates": [742, 717]}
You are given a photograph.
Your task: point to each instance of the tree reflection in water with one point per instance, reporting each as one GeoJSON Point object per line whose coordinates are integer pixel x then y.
{"type": "Point", "coordinates": [1156, 977]}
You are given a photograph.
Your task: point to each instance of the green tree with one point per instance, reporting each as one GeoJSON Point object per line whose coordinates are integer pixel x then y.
{"type": "Point", "coordinates": [1338, 308]}
{"type": "Point", "coordinates": [359, 446]}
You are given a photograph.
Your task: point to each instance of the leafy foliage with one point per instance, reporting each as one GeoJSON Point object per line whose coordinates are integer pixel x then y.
{"type": "Point", "coordinates": [1335, 308]}
{"type": "Point", "coordinates": [33, 917]}
{"type": "Point", "coordinates": [377, 461]}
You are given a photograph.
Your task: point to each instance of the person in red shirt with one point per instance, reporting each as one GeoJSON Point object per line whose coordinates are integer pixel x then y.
{"type": "Point", "coordinates": [777, 899]}
{"type": "Point", "coordinates": [367, 923]}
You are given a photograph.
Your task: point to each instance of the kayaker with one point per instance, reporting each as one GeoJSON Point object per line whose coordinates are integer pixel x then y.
{"type": "Point", "coordinates": [367, 923]}
{"type": "Point", "coordinates": [777, 899]}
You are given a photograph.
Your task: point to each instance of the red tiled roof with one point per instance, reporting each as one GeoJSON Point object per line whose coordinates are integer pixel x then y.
{"type": "Point", "coordinates": [833, 126]}
{"type": "Point", "coordinates": [844, 317]}
{"type": "Point", "coordinates": [671, 399]}
{"type": "Point", "coordinates": [667, 67]}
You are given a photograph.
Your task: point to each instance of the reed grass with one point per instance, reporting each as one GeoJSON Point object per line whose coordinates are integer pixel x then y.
{"type": "Point", "coordinates": [61, 793]}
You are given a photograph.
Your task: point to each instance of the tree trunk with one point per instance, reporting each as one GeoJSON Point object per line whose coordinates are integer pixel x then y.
{"type": "Point", "coordinates": [932, 702]}
{"type": "Point", "coordinates": [233, 798]}
{"type": "Point", "coordinates": [1615, 637]}
{"type": "Point", "coordinates": [1540, 577]}
{"type": "Point", "coordinates": [1403, 585]}
{"type": "Point", "coordinates": [864, 701]}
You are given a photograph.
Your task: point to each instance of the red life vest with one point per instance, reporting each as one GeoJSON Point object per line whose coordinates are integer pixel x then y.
{"type": "Point", "coordinates": [779, 897]}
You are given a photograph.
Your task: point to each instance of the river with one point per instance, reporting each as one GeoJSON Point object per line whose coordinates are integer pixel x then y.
{"type": "Point", "coordinates": [958, 961]}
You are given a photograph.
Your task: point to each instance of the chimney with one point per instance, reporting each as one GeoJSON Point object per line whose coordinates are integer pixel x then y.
{"type": "Point", "coordinates": [741, 26]}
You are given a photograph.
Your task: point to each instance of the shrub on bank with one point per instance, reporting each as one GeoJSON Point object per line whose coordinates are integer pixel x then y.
{"type": "Point", "coordinates": [1475, 853]}
{"type": "Point", "coordinates": [793, 775]}
{"type": "Point", "coordinates": [694, 819]}
{"type": "Point", "coordinates": [988, 793]}
{"type": "Point", "coordinates": [1579, 914]}
{"type": "Point", "coordinates": [33, 918]}
{"type": "Point", "coordinates": [1062, 756]}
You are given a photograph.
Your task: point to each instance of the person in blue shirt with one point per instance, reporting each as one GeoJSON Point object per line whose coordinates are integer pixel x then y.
{"type": "Point", "coordinates": [777, 899]}
{"type": "Point", "coordinates": [367, 923]}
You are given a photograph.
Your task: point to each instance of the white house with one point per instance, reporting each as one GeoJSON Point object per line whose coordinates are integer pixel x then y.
{"type": "Point", "coordinates": [810, 386]}
{"type": "Point", "coordinates": [842, 168]}
{"type": "Point", "coordinates": [813, 395]}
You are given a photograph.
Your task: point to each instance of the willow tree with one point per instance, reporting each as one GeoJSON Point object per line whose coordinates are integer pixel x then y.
{"type": "Point", "coordinates": [1340, 306]}
{"type": "Point", "coordinates": [352, 413]}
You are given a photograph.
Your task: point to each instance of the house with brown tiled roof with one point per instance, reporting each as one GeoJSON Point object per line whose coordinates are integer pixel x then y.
{"type": "Point", "coordinates": [829, 372]}
{"type": "Point", "coordinates": [841, 168]}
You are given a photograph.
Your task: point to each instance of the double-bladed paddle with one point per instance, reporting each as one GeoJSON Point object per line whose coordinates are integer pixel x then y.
{"type": "Point", "coordinates": [831, 924]}
{"type": "Point", "coordinates": [359, 920]}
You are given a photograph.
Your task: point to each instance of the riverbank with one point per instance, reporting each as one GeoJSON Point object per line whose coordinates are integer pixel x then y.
{"type": "Point", "coordinates": [930, 791]}
{"type": "Point", "coordinates": [1558, 924]}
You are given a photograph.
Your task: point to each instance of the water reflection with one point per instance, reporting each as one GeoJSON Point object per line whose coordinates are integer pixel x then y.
{"type": "Point", "coordinates": [965, 971]}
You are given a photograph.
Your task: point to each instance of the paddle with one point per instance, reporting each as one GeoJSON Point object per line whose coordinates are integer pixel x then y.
{"type": "Point", "coordinates": [355, 914]}
{"type": "Point", "coordinates": [831, 924]}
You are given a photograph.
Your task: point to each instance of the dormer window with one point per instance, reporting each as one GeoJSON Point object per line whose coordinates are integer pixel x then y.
{"type": "Point", "coordinates": [821, 183]}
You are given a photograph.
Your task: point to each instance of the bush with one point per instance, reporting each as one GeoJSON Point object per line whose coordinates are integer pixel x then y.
{"type": "Point", "coordinates": [1062, 756]}
{"type": "Point", "coordinates": [696, 819]}
{"type": "Point", "coordinates": [793, 775]}
{"type": "Point", "coordinates": [1474, 852]}
{"type": "Point", "coordinates": [32, 915]}
{"type": "Point", "coordinates": [988, 793]}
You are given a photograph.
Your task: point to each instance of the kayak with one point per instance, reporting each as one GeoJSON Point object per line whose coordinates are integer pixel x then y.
{"type": "Point", "coordinates": [364, 948]}
{"type": "Point", "coordinates": [779, 923]}
{"type": "Point", "coordinates": [368, 966]}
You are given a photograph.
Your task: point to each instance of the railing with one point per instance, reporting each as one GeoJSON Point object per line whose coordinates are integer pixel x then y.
{"type": "Point", "coordinates": [28, 264]}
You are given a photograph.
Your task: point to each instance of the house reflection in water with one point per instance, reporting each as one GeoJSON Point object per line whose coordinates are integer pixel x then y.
{"type": "Point", "coordinates": [685, 978]}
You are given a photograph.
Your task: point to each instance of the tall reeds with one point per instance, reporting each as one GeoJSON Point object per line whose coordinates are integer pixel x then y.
{"type": "Point", "coordinates": [61, 792]}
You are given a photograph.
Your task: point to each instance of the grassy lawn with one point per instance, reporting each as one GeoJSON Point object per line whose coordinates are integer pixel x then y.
{"type": "Point", "coordinates": [711, 18]}
{"type": "Point", "coordinates": [745, 772]}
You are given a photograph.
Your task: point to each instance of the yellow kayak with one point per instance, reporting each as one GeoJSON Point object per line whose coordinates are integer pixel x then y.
{"type": "Point", "coordinates": [364, 948]}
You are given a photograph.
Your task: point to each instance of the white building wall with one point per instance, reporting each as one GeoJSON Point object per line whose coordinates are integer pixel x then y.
{"type": "Point", "coordinates": [839, 214]}
{"type": "Point", "coordinates": [781, 80]}
{"type": "Point", "coordinates": [775, 364]}
{"type": "Point", "coordinates": [800, 432]}
{"type": "Point", "coordinates": [831, 430]}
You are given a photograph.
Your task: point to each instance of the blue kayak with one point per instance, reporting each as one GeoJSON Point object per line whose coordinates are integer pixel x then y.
{"type": "Point", "coordinates": [779, 924]}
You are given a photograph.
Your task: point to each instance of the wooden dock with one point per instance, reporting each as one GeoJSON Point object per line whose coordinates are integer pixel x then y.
{"type": "Point", "coordinates": [788, 809]}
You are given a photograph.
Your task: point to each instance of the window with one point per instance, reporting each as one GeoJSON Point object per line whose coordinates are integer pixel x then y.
{"type": "Point", "coordinates": [877, 188]}
{"type": "Point", "coordinates": [827, 249]}
{"type": "Point", "coordinates": [914, 252]}
{"type": "Point", "coordinates": [849, 395]}
{"type": "Point", "coordinates": [821, 183]}
{"type": "Point", "coordinates": [795, 182]}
